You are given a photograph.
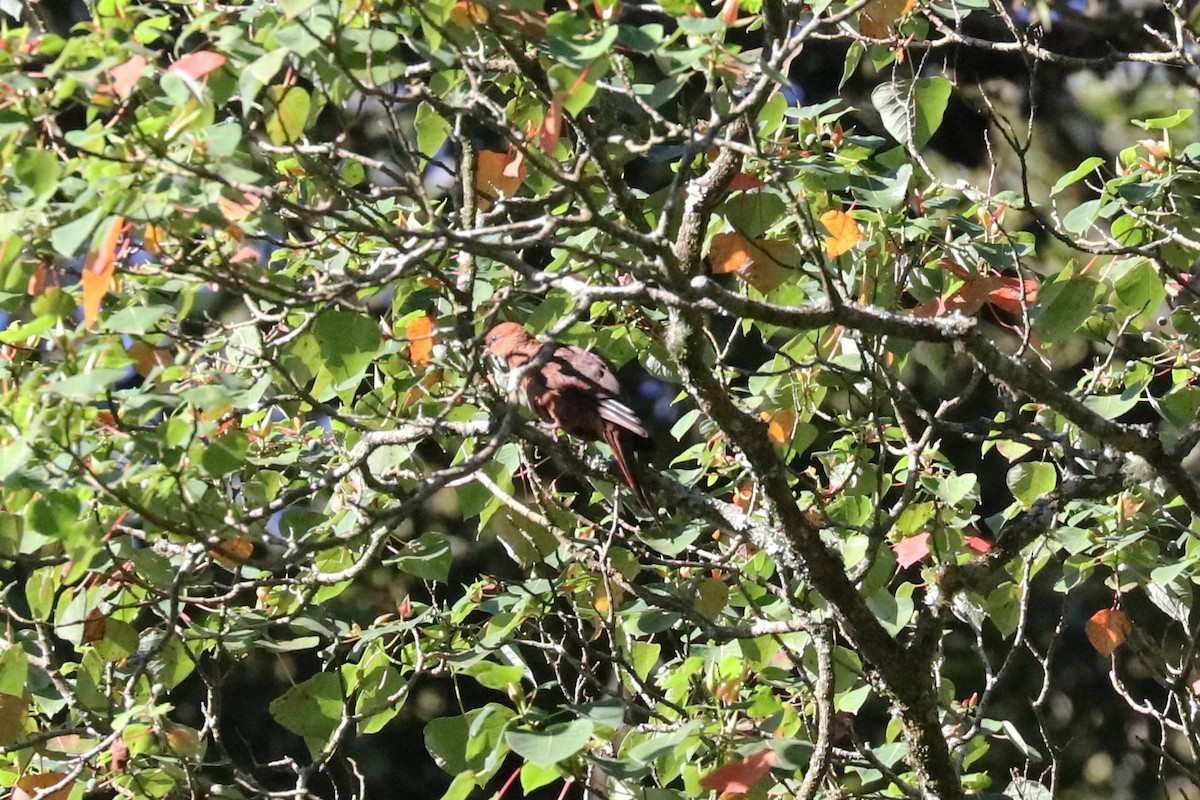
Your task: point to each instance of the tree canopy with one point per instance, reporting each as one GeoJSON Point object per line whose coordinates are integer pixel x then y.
{"type": "Point", "coordinates": [903, 292]}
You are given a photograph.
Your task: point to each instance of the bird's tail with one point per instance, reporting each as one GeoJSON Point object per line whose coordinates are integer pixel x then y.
{"type": "Point", "coordinates": [622, 446]}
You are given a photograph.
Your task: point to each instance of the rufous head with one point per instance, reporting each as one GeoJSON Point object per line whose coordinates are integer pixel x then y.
{"type": "Point", "coordinates": [506, 339]}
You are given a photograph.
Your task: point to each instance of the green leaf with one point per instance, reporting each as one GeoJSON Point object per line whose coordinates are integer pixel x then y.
{"type": "Point", "coordinates": [427, 557]}
{"type": "Point", "coordinates": [287, 113]}
{"type": "Point", "coordinates": [555, 744]}
{"type": "Point", "coordinates": [1063, 306]}
{"type": "Point", "coordinates": [13, 668]}
{"type": "Point", "coordinates": [884, 191]}
{"type": "Point", "coordinates": [1088, 167]}
{"type": "Point", "coordinates": [1140, 291]}
{"type": "Point", "coordinates": [912, 111]}
{"type": "Point", "coordinates": [55, 514]}
{"type": "Point", "coordinates": [68, 240]}
{"type": "Point", "coordinates": [311, 709]}
{"type": "Point", "coordinates": [1031, 481]}
{"type": "Point", "coordinates": [495, 676]}
{"type": "Point", "coordinates": [471, 743]}
{"type": "Point", "coordinates": [850, 65]}
{"type": "Point", "coordinates": [294, 8]}
{"type": "Point", "coordinates": [87, 386]}
{"type": "Point", "coordinates": [40, 170]}
{"type": "Point", "coordinates": [1163, 123]}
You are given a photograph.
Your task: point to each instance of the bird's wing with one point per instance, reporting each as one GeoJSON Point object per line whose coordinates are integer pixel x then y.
{"type": "Point", "coordinates": [573, 369]}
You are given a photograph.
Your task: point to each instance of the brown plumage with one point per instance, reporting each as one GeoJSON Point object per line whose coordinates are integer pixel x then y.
{"type": "Point", "coordinates": [577, 391]}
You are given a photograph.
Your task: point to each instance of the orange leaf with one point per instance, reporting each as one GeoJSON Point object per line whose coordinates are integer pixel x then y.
{"type": "Point", "coordinates": [232, 553]}
{"type": "Point", "coordinates": [762, 263]}
{"type": "Point", "coordinates": [551, 128]}
{"type": "Point", "coordinates": [498, 174]}
{"type": "Point", "coordinates": [730, 252]}
{"type": "Point", "coordinates": [911, 549]}
{"type": "Point", "coordinates": [125, 76]}
{"type": "Point", "coordinates": [740, 777]}
{"type": "Point", "coordinates": [235, 210]}
{"type": "Point", "coordinates": [198, 64]}
{"type": "Point", "coordinates": [729, 11]}
{"type": "Point", "coordinates": [28, 786]}
{"type": "Point", "coordinates": [780, 426]}
{"type": "Point", "coordinates": [467, 15]}
{"type": "Point", "coordinates": [845, 232]}
{"type": "Point", "coordinates": [420, 333]}
{"type": "Point", "coordinates": [98, 269]}
{"type": "Point", "coordinates": [878, 17]}
{"type": "Point", "coordinates": [1108, 629]}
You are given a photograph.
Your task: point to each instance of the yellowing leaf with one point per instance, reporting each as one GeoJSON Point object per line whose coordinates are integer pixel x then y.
{"type": "Point", "coordinates": [878, 17]}
{"type": "Point", "coordinates": [420, 333]}
{"type": "Point", "coordinates": [288, 116]}
{"type": "Point", "coordinates": [1108, 629]}
{"type": "Point", "coordinates": [844, 230]}
{"type": "Point", "coordinates": [98, 269]}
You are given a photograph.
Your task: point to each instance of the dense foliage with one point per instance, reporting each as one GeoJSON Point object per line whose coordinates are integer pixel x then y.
{"type": "Point", "coordinates": [904, 294]}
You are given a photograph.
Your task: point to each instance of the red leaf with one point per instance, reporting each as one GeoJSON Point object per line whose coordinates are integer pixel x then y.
{"type": "Point", "coordinates": [125, 76]}
{"type": "Point", "coordinates": [738, 778]}
{"type": "Point", "coordinates": [979, 544]}
{"type": "Point", "coordinates": [198, 64]}
{"type": "Point", "coordinates": [744, 182]}
{"type": "Point", "coordinates": [911, 549]}
{"type": "Point", "coordinates": [1107, 630]}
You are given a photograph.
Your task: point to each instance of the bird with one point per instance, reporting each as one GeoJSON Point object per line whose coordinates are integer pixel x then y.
{"type": "Point", "coordinates": [576, 390]}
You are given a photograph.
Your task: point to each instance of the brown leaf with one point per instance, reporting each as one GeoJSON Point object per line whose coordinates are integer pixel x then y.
{"type": "Point", "coordinates": [95, 626]}
{"type": "Point", "coordinates": [498, 174]}
{"type": "Point", "coordinates": [1107, 630]}
{"type": "Point", "coordinates": [740, 777]}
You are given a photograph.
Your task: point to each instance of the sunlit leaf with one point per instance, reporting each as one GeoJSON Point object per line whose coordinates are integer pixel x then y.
{"type": "Point", "coordinates": [843, 230]}
{"type": "Point", "coordinates": [1107, 630]}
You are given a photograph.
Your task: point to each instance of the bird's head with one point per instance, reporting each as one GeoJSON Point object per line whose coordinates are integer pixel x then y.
{"type": "Point", "coordinates": [506, 339]}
